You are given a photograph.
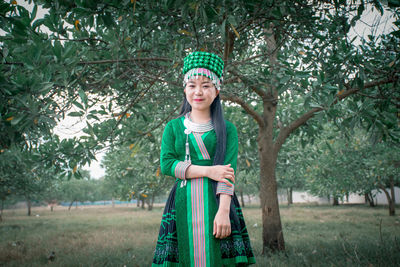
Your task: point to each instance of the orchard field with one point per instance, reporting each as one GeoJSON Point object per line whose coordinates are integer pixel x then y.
{"type": "Point", "coordinates": [311, 86]}
{"type": "Point", "coordinates": [348, 235]}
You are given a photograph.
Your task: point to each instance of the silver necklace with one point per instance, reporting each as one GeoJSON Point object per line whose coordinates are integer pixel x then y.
{"type": "Point", "coordinates": [193, 127]}
{"type": "Point", "coordinates": [197, 127]}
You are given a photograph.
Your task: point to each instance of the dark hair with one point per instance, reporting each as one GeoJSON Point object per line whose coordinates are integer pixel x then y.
{"type": "Point", "coordinates": [217, 118]}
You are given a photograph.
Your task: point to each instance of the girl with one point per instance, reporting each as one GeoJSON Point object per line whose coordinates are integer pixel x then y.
{"type": "Point", "coordinates": [202, 224]}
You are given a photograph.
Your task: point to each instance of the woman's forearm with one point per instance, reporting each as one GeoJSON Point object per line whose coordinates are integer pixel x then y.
{"type": "Point", "coordinates": [224, 203]}
{"type": "Point", "coordinates": [219, 173]}
{"type": "Point", "coordinates": [195, 171]}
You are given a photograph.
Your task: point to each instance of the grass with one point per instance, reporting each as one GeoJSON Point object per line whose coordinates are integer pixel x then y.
{"type": "Point", "coordinates": [126, 236]}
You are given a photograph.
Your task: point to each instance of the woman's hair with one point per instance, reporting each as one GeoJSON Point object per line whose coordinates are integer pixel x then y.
{"type": "Point", "coordinates": [217, 118]}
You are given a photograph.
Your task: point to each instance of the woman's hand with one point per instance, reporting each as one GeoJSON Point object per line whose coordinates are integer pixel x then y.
{"type": "Point", "coordinates": [222, 173]}
{"type": "Point", "coordinates": [222, 224]}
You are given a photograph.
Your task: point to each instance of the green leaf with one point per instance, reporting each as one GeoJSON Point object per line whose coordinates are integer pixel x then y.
{"type": "Point", "coordinates": [91, 21]}
{"type": "Point", "coordinates": [307, 101]}
{"type": "Point", "coordinates": [315, 105]}
{"type": "Point", "coordinates": [83, 97]}
{"type": "Point", "coordinates": [34, 11]}
{"type": "Point", "coordinates": [331, 87]}
{"type": "Point", "coordinates": [102, 112]}
{"type": "Point", "coordinates": [91, 132]}
{"type": "Point", "coordinates": [45, 87]}
{"type": "Point", "coordinates": [107, 18]}
{"type": "Point", "coordinates": [222, 29]}
{"type": "Point", "coordinates": [17, 120]}
{"type": "Point", "coordinates": [57, 49]}
{"type": "Point", "coordinates": [302, 74]}
{"type": "Point", "coordinates": [91, 116]}
{"type": "Point", "coordinates": [232, 20]}
{"type": "Point", "coordinates": [77, 104]}
{"type": "Point", "coordinates": [378, 6]}
{"type": "Point", "coordinates": [284, 79]}
{"type": "Point", "coordinates": [75, 114]}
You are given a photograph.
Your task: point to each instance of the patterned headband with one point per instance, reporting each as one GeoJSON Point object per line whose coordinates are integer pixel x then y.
{"type": "Point", "coordinates": [203, 64]}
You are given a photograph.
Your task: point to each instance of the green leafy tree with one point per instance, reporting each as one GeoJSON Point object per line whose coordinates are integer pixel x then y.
{"type": "Point", "coordinates": [134, 170]}
{"type": "Point", "coordinates": [79, 190]}
{"type": "Point", "coordinates": [291, 167]}
{"type": "Point", "coordinates": [247, 179]}
{"type": "Point", "coordinates": [340, 163]}
{"type": "Point", "coordinates": [22, 175]}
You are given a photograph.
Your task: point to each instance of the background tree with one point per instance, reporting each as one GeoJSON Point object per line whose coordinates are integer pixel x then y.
{"type": "Point", "coordinates": [291, 167]}
{"type": "Point", "coordinates": [22, 175]}
{"type": "Point", "coordinates": [134, 170]}
{"type": "Point", "coordinates": [247, 178]}
{"type": "Point", "coordinates": [81, 190]}
{"type": "Point", "coordinates": [339, 163]}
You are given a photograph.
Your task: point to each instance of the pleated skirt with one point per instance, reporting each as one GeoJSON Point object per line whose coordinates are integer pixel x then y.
{"type": "Point", "coordinates": [186, 231]}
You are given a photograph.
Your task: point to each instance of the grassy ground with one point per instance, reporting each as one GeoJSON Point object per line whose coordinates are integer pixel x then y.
{"type": "Point", "coordinates": [105, 236]}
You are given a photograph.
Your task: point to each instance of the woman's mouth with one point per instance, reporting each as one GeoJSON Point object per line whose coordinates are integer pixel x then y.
{"type": "Point", "coordinates": [198, 100]}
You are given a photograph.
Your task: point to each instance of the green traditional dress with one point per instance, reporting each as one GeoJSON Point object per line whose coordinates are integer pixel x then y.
{"type": "Point", "coordinates": [186, 231]}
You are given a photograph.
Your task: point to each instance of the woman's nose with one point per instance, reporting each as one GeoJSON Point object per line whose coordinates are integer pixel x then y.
{"type": "Point", "coordinates": [198, 90]}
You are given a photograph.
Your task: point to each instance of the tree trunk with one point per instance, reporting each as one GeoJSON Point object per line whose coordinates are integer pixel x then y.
{"type": "Point", "coordinates": [70, 204]}
{"type": "Point", "coordinates": [391, 179]}
{"type": "Point", "coordinates": [272, 226]}
{"type": "Point", "coordinates": [390, 199]}
{"type": "Point", "coordinates": [392, 208]}
{"type": "Point", "coordinates": [369, 199]}
{"type": "Point", "coordinates": [29, 205]}
{"type": "Point", "coordinates": [249, 197]}
{"type": "Point", "coordinates": [142, 199]}
{"type": "Point", "coordinates": [112, 201]}
{"type": "Point", "coordinates": [1, 210]}
{"type": "Point", "coordinates": [335, 201]}
{"type": "Point", "coordinates": [138, 202]}
{"type": "Point", "coordinates": [290, 195]}
{"type": "Point", "coordinates": [241, 198]}
{"type": "Point", "coordinates": [150, 203]}
{"type": "Point", "coordinates": [51, 208]}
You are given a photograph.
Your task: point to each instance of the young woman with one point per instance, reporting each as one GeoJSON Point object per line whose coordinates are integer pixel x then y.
{"type": "Point", "coordinates": [202, 224]}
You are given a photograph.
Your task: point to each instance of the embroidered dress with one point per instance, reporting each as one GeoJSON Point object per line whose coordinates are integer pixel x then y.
{"type": "Point", "coordinates": [186, 232]}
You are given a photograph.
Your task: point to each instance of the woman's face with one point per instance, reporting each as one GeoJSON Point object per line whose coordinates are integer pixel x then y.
{"type": "Point", "coordinates": [200, 93]}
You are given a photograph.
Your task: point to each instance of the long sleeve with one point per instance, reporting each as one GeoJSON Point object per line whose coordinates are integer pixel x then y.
{"type": "Point", "coordinates": [169, 159]}
{"type": "Point", "coordinates": [231, 155]}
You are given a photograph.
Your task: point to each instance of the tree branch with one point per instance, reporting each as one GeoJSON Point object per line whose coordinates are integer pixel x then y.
{"type": "Point", "coordinates": [82, 40]}
{"type": "Point", "coordinates": [248, 82]}
{"type": "Point", "coordinates": [286, 131]}
{"type": "Point", "coordinates": [389, 198]}
{"type": "Point", "coordinates": [245, 106]}
{"type": "Point", "coordinates": [367, 85]}
{"type": "Point", "coordinates": [107, 61]}
{"type": "Point", "coordinates": [162, 121]}
{"type": "Point", "coordinates": [237, 63]}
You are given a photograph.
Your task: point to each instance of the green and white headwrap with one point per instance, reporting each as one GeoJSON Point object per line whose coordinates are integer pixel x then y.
{"type": "Point", "coordinates": [203, 64]}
